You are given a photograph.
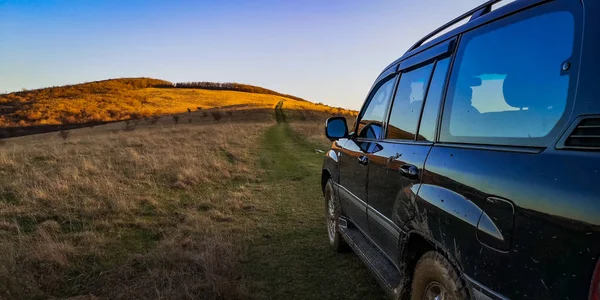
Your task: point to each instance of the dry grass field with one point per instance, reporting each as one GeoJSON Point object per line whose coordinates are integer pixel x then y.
{"type": "Point", "coordinates": [122, 211]}
{"type": "Point", "coordinates": [194, 209]}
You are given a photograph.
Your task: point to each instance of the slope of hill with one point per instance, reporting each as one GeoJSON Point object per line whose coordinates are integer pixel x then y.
{"type": "Point", "coordinates": [134, 98]}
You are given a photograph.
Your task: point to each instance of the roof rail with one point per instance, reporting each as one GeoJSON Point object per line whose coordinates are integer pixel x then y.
{"type": "Point", "coordinates": [474, 13]}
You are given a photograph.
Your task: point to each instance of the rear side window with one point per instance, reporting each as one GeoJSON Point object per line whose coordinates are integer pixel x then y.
{"type": "Point", "coordinates": [408, 102]}
{"type": "Point", "coordinates": [510, 82]}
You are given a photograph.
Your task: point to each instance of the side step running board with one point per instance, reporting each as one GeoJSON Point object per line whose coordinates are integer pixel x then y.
{"type": "Point", "coordinates": [385, 272]}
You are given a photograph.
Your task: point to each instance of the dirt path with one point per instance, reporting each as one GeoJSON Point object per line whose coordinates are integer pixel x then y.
{"type": "Point", "coordinates": [289, 257]}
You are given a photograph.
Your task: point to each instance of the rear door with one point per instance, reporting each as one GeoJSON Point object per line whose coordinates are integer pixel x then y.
{"type": "Point", "coordinates": [354, 162]}
{"type": "Point", "coordinates": [395, 171]}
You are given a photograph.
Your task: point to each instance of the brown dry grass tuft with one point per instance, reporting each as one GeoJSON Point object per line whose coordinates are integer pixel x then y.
{"type": "Point", "coordinates": [127, 215]}
{"type": "Point", "coordinates": [195, 261]}
{"type": "Point", "coordinates": [311, 131]}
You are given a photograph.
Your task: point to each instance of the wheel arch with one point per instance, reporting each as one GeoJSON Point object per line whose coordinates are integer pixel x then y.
{"type": "Point", "coordinates": [325, 176]}
{"type": "Point", "coordinates": [413, 247]}
{"type": "Point", "coordinates": [330, 169]}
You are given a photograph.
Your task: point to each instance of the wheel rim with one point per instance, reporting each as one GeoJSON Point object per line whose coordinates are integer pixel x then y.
{"type": "Point", "coordinates": [435, 291]}
{"type": "Point", "coordinates": [331, 220]}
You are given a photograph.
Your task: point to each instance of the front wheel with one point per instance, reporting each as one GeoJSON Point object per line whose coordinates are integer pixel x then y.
{"type": "Point", "coordinates": [332, 213]}
{"type": "Point", "coordinates": [436, 279]}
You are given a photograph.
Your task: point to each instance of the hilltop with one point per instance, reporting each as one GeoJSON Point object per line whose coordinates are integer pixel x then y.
{"type": "Point", "coordinates": [135, 98]}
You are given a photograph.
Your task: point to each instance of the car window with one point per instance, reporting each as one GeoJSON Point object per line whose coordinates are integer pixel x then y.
{"type": "Point", "coordinates": [431, 108]}
{"type": "Point", "coordinates": [371, 122]}
{"type": "Point", "coordinates": [508, 86]}
{"type": "Point", "coordinates": [408, 102]}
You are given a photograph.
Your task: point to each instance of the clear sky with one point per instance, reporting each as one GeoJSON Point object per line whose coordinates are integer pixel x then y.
{"type": "Point", "coordinates": [324, 51]}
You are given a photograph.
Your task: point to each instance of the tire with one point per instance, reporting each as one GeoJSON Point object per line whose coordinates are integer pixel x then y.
{"type": "Point", "coordinates": [435, 276]}
{"type": "Point", "coordinates": [332, 214]}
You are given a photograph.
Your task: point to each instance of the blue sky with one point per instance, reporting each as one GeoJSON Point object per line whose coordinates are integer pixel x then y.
{"type": "Point", "coordinates": [324, 51]}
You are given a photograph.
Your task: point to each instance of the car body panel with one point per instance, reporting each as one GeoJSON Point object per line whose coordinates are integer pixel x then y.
{"type": "Point", "coordinates": [556, 216]}
{"type": "Point", "coordinates": [353, 191]}
{"type": "Point", "coordinates": [390, 193]}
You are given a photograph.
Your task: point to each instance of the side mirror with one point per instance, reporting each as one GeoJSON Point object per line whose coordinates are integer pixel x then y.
{"type": "Point", "coordinates": [336, 128]}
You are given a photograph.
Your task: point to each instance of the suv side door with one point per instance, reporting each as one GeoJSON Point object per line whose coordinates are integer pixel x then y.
{"type": "Point", "coordinates": [353, 160]}
{"type": "Point", "coordinates": [395, 171]}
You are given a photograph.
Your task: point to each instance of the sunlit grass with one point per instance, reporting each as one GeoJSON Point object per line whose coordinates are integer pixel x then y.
{"type": "Point", "coordinates": [122, 99]}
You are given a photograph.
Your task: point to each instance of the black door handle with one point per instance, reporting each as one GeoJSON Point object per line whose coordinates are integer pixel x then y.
{"type": "Point", "coordinates": [410, 171]}
{"type": "Point", "coordinates": [363, 160]}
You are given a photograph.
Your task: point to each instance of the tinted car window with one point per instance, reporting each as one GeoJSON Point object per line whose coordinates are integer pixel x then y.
{"type": "Point", "coordinates": [408, 102]}
{"type": "Point", "coordinates": [508, 86]}
{"type": "Point", "coordinates": [432, 104]}
{"type": "Point", "coordinates": [370, 124]}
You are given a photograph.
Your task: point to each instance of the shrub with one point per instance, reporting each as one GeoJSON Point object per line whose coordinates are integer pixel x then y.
{"type": "Point", "coordinates": [63, 134]}
{"type": "Point", "coordinates": [189, 110]}
{"type": "Point", "coordinates": [136, 116]}
{"type": "Point", "coordinates": [216, 114]}
{"type": "Point", "coordinates": [302, 116]}
{"type": "Point", "coordinates": [176, 119]}
{"type": "Point", "coordinates": [154, 119]}
{"type": "Point", "coordinates": [198, 108]}
{"type": "Point", "coordinates": [129, 126]}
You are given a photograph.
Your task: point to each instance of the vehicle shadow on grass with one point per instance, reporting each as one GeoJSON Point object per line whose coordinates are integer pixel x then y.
{"type": "Point", "coordinates": [289, 256]}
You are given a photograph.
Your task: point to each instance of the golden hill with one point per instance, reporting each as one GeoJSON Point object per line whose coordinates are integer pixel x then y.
{"type": "Point", "coordinates": [134, 98]}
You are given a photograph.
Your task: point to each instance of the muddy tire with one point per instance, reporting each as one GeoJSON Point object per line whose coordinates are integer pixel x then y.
{"type": "Point", "coordinates": [332, 214]}
{"type": "Point", "coordinates": [435, 278]}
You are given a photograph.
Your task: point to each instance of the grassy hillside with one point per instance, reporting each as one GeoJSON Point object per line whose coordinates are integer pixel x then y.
{"type": "Point", "coordinates": [194, 209]}
{"type": "Point", "coordinates": [134, 98]}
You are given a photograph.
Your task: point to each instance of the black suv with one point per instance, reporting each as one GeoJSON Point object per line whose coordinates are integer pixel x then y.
{"type": "Point", "coordinates": [473, 169]}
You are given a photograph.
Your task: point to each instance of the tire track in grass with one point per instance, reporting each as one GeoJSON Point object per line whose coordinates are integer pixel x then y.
{"type": "Point", "coordinates": [289, 256]}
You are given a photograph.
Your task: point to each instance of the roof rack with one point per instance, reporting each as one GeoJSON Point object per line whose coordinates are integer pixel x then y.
{"type": "Point", "coordinates": [473, 13]}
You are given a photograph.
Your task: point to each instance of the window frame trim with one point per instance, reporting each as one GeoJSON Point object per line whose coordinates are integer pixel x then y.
{"type": "Point", "coordinates": [440, 107]}
{"type": "Point", "coordinates": [435, 64]}
{"type": "Point", "coordinates": [436, 52]}
{"type": "Point", "coordinates": [443, 49]}
{"type": "Point", "coordinates": [442, 104]}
